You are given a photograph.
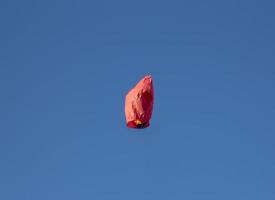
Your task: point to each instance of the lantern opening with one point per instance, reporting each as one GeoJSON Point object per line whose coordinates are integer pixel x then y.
{"type": "Point", "coordinates": [137, 124]}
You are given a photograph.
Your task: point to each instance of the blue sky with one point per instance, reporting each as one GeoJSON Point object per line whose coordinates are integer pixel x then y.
{"type": "Point", "coordinates": [65, 67]}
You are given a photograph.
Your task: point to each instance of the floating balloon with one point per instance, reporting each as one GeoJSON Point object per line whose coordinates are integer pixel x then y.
{"type": "Point", "coordinates": [139, 104]}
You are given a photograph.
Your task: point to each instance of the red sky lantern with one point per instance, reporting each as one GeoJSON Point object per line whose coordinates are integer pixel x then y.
{"type": "Point", "coordinates": [139, 104]}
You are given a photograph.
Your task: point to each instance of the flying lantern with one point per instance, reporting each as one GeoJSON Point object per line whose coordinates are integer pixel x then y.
{"type": "Point", "coordinates": [139, 104]}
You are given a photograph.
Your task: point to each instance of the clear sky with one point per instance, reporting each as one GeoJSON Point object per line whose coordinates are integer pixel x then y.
{"type": "Point", "coordinates": [65, 67]}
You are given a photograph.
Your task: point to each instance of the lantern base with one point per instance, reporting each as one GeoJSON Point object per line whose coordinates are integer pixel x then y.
{"type": "Point", "coordinates": [137, 124]}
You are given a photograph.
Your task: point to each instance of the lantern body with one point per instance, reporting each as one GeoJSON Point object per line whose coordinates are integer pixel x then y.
{"type": "Point", "coordinates": [139, 104]}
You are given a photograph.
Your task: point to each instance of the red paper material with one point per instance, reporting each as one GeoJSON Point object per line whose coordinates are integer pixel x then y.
{"type": "Point", "coordinates": [139, 104]}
